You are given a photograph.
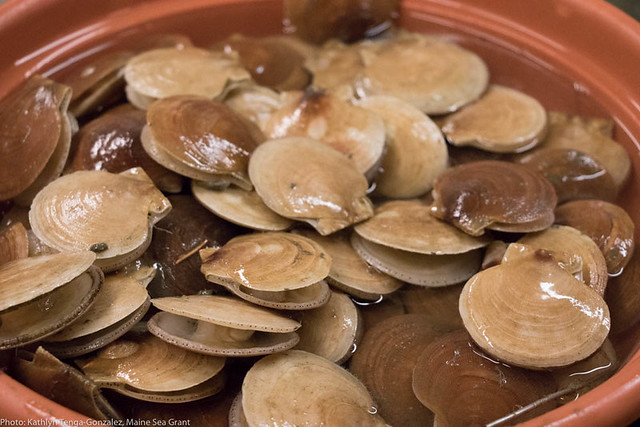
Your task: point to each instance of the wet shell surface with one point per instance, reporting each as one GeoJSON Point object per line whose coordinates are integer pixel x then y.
{"type": "Point", "coordinates": [297, 387]}
{"type": "Point", "coordinates": [623, 297]}
{"type": "Point", "coordinates": [255, 103]}
{"type": "Point", "coordinates": [335, 65]}
{"type": "Point", "coordinates": [303, 179]}
{"type": "Point", "coordinates": [14, 243]}
{"type": "Point", "coordinates": [504, 120]}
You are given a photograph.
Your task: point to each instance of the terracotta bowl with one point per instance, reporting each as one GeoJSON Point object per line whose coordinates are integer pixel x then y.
{"type": "Point", "coordinates": [581, 56]}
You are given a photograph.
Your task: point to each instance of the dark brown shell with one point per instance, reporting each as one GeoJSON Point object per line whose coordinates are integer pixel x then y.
{"type": "Point", "coordinates": [623, 297]}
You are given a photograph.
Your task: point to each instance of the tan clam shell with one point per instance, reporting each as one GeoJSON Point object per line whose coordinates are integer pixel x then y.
{"type": "Point", "coordinates": [241, 207]}
{"type": "Point", "coordinates": [349, 272]}
{"type": "Point", "coordinates": [14, 243]}
{"type": "Point", "coordinates": [335, 65]}
{"type": "Point", "coordinates": [418, 269]}
{"type": "Point", "coordinates": [331, 331]}
{"type": "Point", "coordinates": [161, 73]}
{"type": "Point", "coordinates": [407, 225]}
{"type": "Point", "coordinates": [560, 238]}
{"type": "Point", "coordinates": [150, 369]}
{"type": "Point", "coordinates": [199, 138]}
{"type": "Point", "coordinates": [297, 388]}
{"type": "Point", "coordinates": [354, 131]}
{"type": "Point", "coordinates": [416, 152]}
{"type": "Point", "coordinates": [91, 207]}
{"type": "Point", "coordinates": [270, 262]}
{"type": "Point", "coordinates": [431, 74]}
{"type": "Point", "coordinates": [255, 103]}
{"type": "Point", "coordinates": [305, 298]}
{"type": "Point", "coordinates": [27, 149]}
{"type": "Point", "coordinates": [531, 312]}
{"type": "Point", "coordinates": [504, 120]}
{"type": "Point", "coordinates": [236, 413]}
{"type": "Point", "coordinates": [305, 180]}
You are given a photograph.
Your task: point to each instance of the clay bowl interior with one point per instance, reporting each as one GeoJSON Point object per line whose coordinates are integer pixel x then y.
{"type": "Point", "coordinates": [576, 56]}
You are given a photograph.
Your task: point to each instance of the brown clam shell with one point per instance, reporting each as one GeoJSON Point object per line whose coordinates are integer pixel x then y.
{"type": "Point", "coordinates": [496, 195]}
{"type": "Point", "coordinates": [439, 304]}
{"type": "Point", "coordinates": [335, 66]}
{"type": "Point", "coordinates": [608, 225]}
{"type": "Point", "coordinates": [14, 243]}
{"type": "Point", "coordinates": [623, 296]}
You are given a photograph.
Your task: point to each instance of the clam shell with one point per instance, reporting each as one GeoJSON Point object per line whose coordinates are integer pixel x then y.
{"type": "Point", "coordinates": [298, 388]}
{"type": "Point", "coordinates": [349, 272]}
{"type": "Point", "coordinates": [407, 225]}
{"type": "Point", "coordinates": [236, 413]}
{"type": "Point", "coordinates": [608, 225]}
{"type": "Point", "coordinates": [504, 120]}
{"type": "Point", "coordinates": [26, 148]}
{"type": "Point", "coordinates": [335, 65]}
{"type": "Point", "coordinates": [331, 331]}
{"type": "Point", "coordinates": [305, 298]}
{"type": "Point", "coordinates": [623, 296]}
{"type": "Point", "coordinates": [303, 179]}
{"type": "Point", "coordinates": [199, 138]}
{"type": "Point", "coordinates": [531, 312]}
{"type": "Point", "coordinates": [439, 304]}
{"type": "Point", "coordinates": [14, 243]}
{"type": "Point", "coordinates": [560, 238]}
{"type": "Point", "coordinates": [496, 195]}
{"type": "Point", "coordinates": [354, 131]}
{"type": "Point", "coordinates": [416, 152]}
{"type": "Point", "coordinates": [87, 208]}
{"type": "Point", "coordinates": [431, 74]}
{"type": "Point", "coordinates": [493, 254]}
{"type": "Point", "coordinates": [241, 207]}
{"type": "Point", "coordinates": [161, 73]}
{"type": "Point", "coordinates": [418, 269]}
{"type": "Point", "coordinates": [255, 103]}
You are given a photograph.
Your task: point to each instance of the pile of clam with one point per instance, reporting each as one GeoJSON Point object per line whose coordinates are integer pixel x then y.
{"type": "Point", "coordinates": [273, 233]}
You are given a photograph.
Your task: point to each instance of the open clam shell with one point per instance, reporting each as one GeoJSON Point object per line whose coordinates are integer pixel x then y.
{"type": "Point", "coordinates": [148, 368]}
{"type": "Point", "coordinates": [431, 74]}
{"type": "Point", "coordinates": [305, 180]}
{"type": "Point", "coordinates": [222, 326]}
{"type": "Point", "coordinates": [39, 296]}
{"type": "Point", "coordinates": [297, 387]}
{"type": "Point", "coordinates": [349, 272]}
{"type": "Point", "coordinates": [531, 312]}
{"type": "Point", "coordinates": [418, 269]}
{"type": "Point", "coordinates": [608, 225]}
{"type": "Point", "coordinates": [255, 103]}
{"type": "Point", "coordinates": [407, 225]}
{"type": "Point", "coordinates": [241, 207]}
{"type": "Point", "coordinates": [570, 241]}
{"type": "Point", "coordinates": [111, 214]}
{"type": "Point", "coordinates": [504, 120]}
{"type": "Point", "coordinates": [161, 73]}
{"type": "Point", "coordinates": [496, 195]}
{"type": "Point", "coordinates": [355, 132]}
{"type": "Point", "coordinates": [14, 243]}
{"type": "Point", "coordinates": [199, 138]}
{"type": "Point", "coordinates": [335, 65]}
{"type": "Point", "coordinates": [416, 152]}
{"type": "Point", "coordinates": [35, 133]}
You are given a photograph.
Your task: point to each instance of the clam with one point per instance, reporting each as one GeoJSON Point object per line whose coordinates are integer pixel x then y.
{"type": "Point", "coordinates": [407, 225]}
{"type": "Point", "coordinates": [241, 207]}
{"type": "Point", "coordinates": [608, 225]}
{"type": "Point", "coordinates": [14, 243]}
{"type": "Point", "coordinates": [354, 131]}
{"type": "Point", "coordinates": [112, 143]}
{"type": "Point", "coordinates": [303, 179]}
{"type": "Point", "coordinates": [146, 368]}
{"type": "Point", "coordinates": [384, 362]}
{"type": "Point", "coordinates": [504, 120]}
{"type": "Point", "coordinates": [592, 137]}
{"type": "Point", "coordinates": [255, 103]}
{"type": "Point", "coordinates": [36, 136]}
{"type": "Point", "coordinates": [440, 305]}
{"type": "Point", "coordinates": [415, 152]}
{"type": "Point", "coordinates": [349, 272]}
{"type": "Point", "coordinates": [573, 174]}
{"type": "Point", "coordinates": [561, 238]}
{"type": "Point", "coordinates": [272, 62]}
{"type": "Point", "coordinates": [495, 195]}
{"type": "Point", "coordinates": [274, 269]}
{"type": "Point", "coordinates": [298, 388]}
{"type": "Point", "coordinates": [331, 331]}
{"type": "Point", "coordinates": [221, 326]}
{"type": "Point", "coordinates": [199, 138]}
{"type": "Point", "coordinates": [433, 75]}
{"type": "Point", "coordinates": [623, 296]}
{"type": "Point", "coordinates": [43, 373]}
{"type": "Point", "coordinates": [41, 295]}
{"type": "Point", "coordinates": [462, 386]}
{"type": "Point", "coordinates": [188, 227]}
{"type": "Point", "coordinates": [531, 312]}
{"type": "Point", "coordinates": [110, 214]}
{"type": "Point", "coordinates": [120, 304]}
{"type": "Point", "coordinates": [161, 73]}
{"type": "Point", "coordinates": [418, 269]}
{"type": "Point", "coordinates": [236, 413]}
{"type": "Point", "coordinates": [335, 66]}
